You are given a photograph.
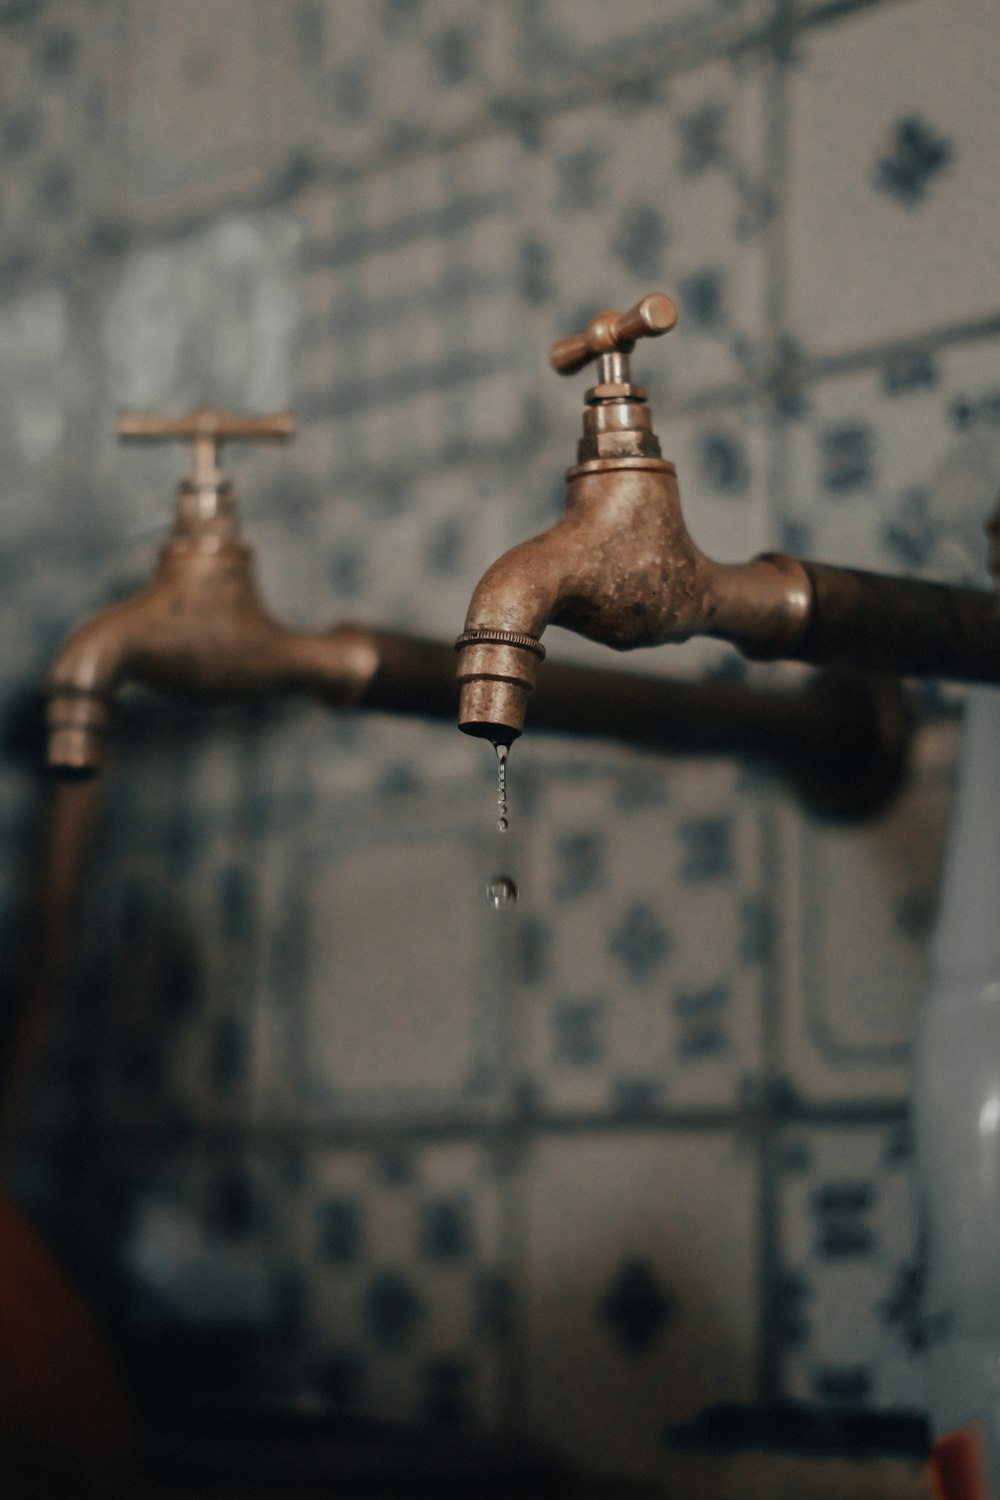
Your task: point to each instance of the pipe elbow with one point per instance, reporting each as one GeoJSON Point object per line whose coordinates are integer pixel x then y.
{"type": "Point", "coordinates": [81, 688]}
{"type": "Point", "coordinates": [500, 648]}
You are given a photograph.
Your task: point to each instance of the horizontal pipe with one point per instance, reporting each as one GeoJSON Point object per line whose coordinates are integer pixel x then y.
{"type": "Point", "coordinates": [901, 625]}
{"type": "Point", "coordinates": [842, 738]}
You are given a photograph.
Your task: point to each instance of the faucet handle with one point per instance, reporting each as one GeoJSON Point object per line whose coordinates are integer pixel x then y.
{"type": "Point", "coordinates": [207, 427]}
{"type": "Point", "coordinates": [614, 333]}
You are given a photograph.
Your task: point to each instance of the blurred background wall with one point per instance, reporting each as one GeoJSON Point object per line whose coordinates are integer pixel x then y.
{"type": "Point", "coordinates": [316, 1117]}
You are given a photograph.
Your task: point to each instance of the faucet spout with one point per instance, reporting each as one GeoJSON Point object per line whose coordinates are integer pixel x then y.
{"type": "Point", "coordinates": [199, 629]}
{"type": "Point", "coordinates": [619, 567]}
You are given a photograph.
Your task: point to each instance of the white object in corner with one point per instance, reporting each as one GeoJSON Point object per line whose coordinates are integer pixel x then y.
{"type": "Point", "coordinates": [956, 1112]}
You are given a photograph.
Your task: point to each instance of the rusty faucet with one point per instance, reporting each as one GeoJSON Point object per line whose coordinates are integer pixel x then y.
{"type": "Point", "coordinates": [201, 630]}
{"type": "Point", "coordinates": [620, 567]}
{"type": "Point", "coordinates": [200, 626]}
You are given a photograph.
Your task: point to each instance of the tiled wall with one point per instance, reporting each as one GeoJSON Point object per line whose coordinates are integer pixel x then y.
{"type": "Point", "coordinates": [584, 1166]}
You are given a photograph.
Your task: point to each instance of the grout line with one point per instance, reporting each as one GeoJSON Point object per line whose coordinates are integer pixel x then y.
{"type": "Point", "coordinates": [839, 10]}
{"type": "Point", "coordinates": [510, 1131]}
{"type": "Point", "coordinates": [769, 1353]}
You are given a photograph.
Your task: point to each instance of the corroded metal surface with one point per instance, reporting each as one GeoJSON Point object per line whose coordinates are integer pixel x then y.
{"type": "Point", "coordinates": [620, 567]}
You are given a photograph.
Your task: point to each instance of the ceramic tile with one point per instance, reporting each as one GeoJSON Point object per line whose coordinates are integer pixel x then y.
{"type": "Point", "coordinates": [418, 304]}
{"type": "Point", "coordinates": [370, 79]}
{"type": "Point", "coordinates": [895, 469]}
{"type": "Point", "coordinates": [220, 310]}
{"type": "Point", "coordinates": [859, 905]}
{"type": "Point", "coordinates": [404, 976]}
{"type": "Point", "coordinates": [455, 274]}
{"type": "Point", "coordinates": [639, 992]}
{"type": "Point", "coordinates": [406, 1288]}
{"type": "Point", "coordinates": [669, 196]}
{"type": "Point", "coordinates": [850, 1279]}
{"type": "Point", "coordinates": [892, 174]}
{"type": "Point", "coordinates": [35, 342]}
{"type": "Point", "coordinates": [286, 927]}
{"type": "Point", "coordinates": [409, 557]}
{"type": "Point", "coordinates": [177, 967]}
{"type": "Point", "coordinates": [640, 1267]}
{"type": "Point", "coordinates": [565, 40]}
{"type": "Point", "coordinates": [62, 138]}
{"type": "Point", "coordinates": [183, 149]}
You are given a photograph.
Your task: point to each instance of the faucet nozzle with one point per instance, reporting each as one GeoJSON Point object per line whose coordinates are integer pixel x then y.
{"type": "Point", "coordinates": [497, 670]}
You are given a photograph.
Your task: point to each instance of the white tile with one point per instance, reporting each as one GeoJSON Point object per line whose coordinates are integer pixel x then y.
{"type": "Point", "coordinates": [667, 1222]}
{"type": "Point", "coordinates": [893, 173]}
{"type": "Point", "coordinates": [858, 906]}
{"type": "Point", "coordinates": [183, 147]}
{"type": "Point", "coordinates": [405, 977]}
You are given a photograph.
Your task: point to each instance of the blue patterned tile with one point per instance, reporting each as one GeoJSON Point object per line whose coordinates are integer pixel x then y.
{"type": "Point", "coordinates": [446, 1234]}
{"type": "Point", "coordinates": [340, 1230]}
{"type": "Point", "coordinates": [640, 994]}
{"type": "Point", "coordinates": [641, 943]}
{"type": "Point", "coordinates": [915, 155]}
{"type": "Point", "coordinates": [392, 1311]}
{"type": "Point", "coordinates": [412, 1321]}
{"type": "Point", "coordinates": [290, 925]}
{"type": "Point", "coordinates": [891, 175]}
{"type": "Point", "coordinates": [579, 1029]}
{"type": "Point", "coordinates": [850, 1278]}
{"type": "Point", "coordinates": [614, 230]}
{"type": "Point", "coordinates": [897, 471]}
{"type": "Point", "coordinates": [361, 83]}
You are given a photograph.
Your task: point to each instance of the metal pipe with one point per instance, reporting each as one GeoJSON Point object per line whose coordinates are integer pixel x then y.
{"type": "Point", "coordinates": [69, 822]}
{"type": "Point", "coordinates": [903, 625]}
{"type": "Point", "coordinates": [842, 739]}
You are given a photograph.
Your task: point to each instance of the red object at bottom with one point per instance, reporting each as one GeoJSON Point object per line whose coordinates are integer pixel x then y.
{"type": "Point", "coordinates": [958, 1464]}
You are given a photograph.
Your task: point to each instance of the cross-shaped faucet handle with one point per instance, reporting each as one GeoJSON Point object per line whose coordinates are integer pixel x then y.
{"type": "Point", "coordinates": [614, 333]}
{"type": "Point", "coordinates": [207, 427]}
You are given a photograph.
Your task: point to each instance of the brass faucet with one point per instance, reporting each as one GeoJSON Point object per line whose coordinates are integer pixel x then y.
{"type": "Point", "coordinates": [199, 627]}
{"type": "Point", "coordinates": [620, 567]}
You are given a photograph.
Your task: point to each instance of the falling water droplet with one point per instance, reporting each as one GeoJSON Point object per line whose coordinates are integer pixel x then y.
{"type": "Point", "coordinates": [501, 891]}
{"type": "Point", "coordinates": [502, 823]}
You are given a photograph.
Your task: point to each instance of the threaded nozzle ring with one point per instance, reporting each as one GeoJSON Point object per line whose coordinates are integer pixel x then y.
{"type": "Point", "coordinates": [484, 636]}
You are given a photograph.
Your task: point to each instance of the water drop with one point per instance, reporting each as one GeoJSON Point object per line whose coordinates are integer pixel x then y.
{"type": "Point", "coordinates": [501, 750]}
{"type": "Point", "coordinates": [501, 891]}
